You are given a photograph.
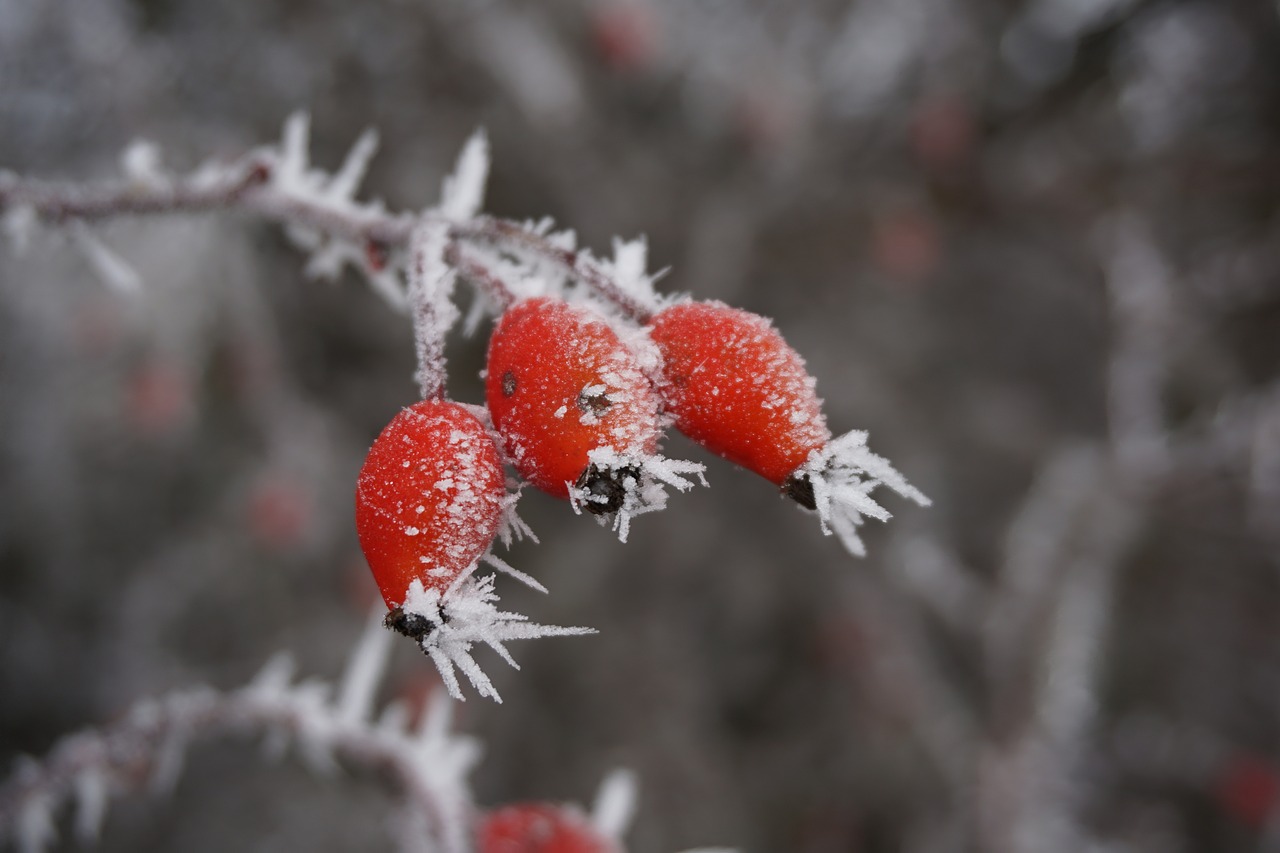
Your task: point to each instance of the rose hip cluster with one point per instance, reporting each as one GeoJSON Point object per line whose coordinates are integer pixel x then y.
{"type": "Point", "coordinates": [576, 404]}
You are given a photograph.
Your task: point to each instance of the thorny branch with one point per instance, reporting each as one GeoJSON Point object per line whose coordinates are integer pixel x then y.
{"type": "Point", "coordinates": [146, 747]}
{"type": "Point", "coordinates": [266, 183]}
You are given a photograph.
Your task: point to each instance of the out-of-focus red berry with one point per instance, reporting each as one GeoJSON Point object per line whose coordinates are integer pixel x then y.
{"type": "Point", "coordinates": [906, 245]}
{"type": "Point", "coordinates": [540, 828]}
{"type": "Point", "coordinates": [1249, 789]}
{"type": "Point", "coordinates": [278, 513]}
{"type": "Point", "coordinates": [942, 132]}
{"type": "Point", "coordinates": [158, 399]}
{"type": "Point", "coordinates": [624, 35]}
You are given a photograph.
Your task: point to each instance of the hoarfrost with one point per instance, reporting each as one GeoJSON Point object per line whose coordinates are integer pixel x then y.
{"type": "Point", "coordinates": [615, 804]}
{"type": "Point", "coordinates": [431, 283]}
{"type": "Point", "coordinates": [843, 475]}
{"type": "Point", "coordinates": [464, 615]}
{"type": "Point", "coordinates": [113, 270]}
{"type": "Point", "coordinates": [462, 195]}
{"type": "Point", "coordinates": [646, 494]}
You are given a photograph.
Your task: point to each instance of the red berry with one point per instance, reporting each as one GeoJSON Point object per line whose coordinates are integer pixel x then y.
{"type": "Point", "coordinates": [1249, 789]}
{"type": "Point", "coordinates": [540, 828]}
{"type": "Point", "coordinates": [561, 384]}
{"type": "Point", "coordinates": [737, 388]}
{"type": "Point", "coordinates": [429, 499]}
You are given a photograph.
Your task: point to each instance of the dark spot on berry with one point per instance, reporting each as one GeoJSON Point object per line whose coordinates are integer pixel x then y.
{"type": "Point", "coordinates": [595, 402]}
{"type": "Point", "coordinates": [508, 384]}
{"type": "Point", "coordinates": [606, 489]}
{"type": "Point", "coordinates": [800, 489]}
{"type": "Point", "coordinates": [415, 626]}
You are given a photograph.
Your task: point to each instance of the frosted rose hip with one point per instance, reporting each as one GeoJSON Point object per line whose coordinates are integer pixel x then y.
{"type": "Point", "coordinates": [429, 499]}
{"type": "Point", "coordinates": [560, 384]}
{"type": "Point", "coordinates": [737, 388]}
{"type": "Point", "coordinates": [540, 828]}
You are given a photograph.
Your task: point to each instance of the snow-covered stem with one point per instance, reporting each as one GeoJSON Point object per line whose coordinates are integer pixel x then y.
{"type": "Point", "coordinates": [264, 183]}
{"type": "Point", "coordinates": [481, 277]}
{"type": "Point", "coordinates": [242, 186]}
{"type": "Point", "coordinates": [431, 284]}
{"type": "Point", "coordinates": [145, 748]}
{"type": "Point", "coordinates": [578, 264]}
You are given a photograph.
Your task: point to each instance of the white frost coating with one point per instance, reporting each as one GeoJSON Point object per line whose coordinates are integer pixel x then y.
{"type": "Point", "coordinates": [843, 475]}
{"type": "Point", "coordinates": [431, 282]}
{"type": "Point", "coordinates": [628, 271]}
{"type": "Point", "coordinates": [291, 170]}
{"type": "Point", "coordinates": [92, 793]}
{"type": "Point", "coordinates": [511, 527]}
{"type": "Point", "coordinates": [112, 269]}
{"type": "Point", "coordinates": [508, 569]}
{"type": "Point", "coordinates": [615, 804]}
{"type": "Point", "coordinates": [465, 615]}
{"type": "Point", "coordinates": [140, 162]}
{"type": "Point", "coordinates": [293, 179]}
{"type": "Point", "coordinates": [35, 830]}
{"type": "Point", "coordinates": [462, 195]}
{"type": "Point", "coordinates": [19, 225]}
{"type": "Point", "coordinates": [430, 762]}
{"type": "Point", "coordinates": [344, 184]}
{"type": "Point", "coordinates": [648, 494]}
{"type": "Point", "coordinates": [364, 671]}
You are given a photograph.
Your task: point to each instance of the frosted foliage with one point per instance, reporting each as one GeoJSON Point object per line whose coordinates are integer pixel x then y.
{"type": "Point", "coordinates": [641, 495]}
{"type": "Point", "coordinates": [843, 475]}
{"type": "Point", "coordinates": [465, 615]}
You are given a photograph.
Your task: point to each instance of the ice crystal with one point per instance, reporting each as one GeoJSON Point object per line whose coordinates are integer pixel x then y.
{"type": "Point", "coordinates": [464, 615]}
{"type": "Point", "coordinates": [643, 478]}
{"type": "Point", "coordinates": [843, 475]}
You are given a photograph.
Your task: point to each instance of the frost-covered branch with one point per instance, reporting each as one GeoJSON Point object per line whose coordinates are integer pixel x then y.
{"type": "Point", "coordinates": [323, 217]}
{"type": "Point", "coordinates": [147, 745]}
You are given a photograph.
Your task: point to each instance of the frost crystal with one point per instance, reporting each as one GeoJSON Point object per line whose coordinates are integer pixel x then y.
{"type": "Point", "coordinates": [465, 615]}
{"type": "Point", "coordinates": [643, 478]}
{"type": "Point", "coordinates": [615, 804]}
{"type": "Point", "coordinates": [112, 269]}
{"type": "Point", "coordinates": [463, 192]}
{"type": "Point", "coordinates": [628, 271]}
{"type": "Point", "coordinates": [843, 475]}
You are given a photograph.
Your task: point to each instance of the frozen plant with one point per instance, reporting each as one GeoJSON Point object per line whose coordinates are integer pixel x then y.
{"type": "Point", "coordinates": [429, 763]}
{"type": "Point", "coordinates": [587, 367]}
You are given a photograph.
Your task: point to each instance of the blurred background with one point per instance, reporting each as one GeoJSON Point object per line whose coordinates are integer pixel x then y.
{"type": "Point", "coordinates": [1032, 247]}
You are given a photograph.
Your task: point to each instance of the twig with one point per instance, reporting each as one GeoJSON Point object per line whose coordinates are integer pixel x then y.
{"type": "Point", "coordinates": [147, 745]}
{"type": "Point", "coordinates": [265, 184]}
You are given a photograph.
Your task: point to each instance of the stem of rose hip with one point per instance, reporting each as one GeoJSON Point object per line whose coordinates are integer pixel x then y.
{"type": "Point", "coordinates": [481, 277]}
{"type": "Point", "coordinates": [504, 232]}
{"type": "Point", "coordinates": [249, 185]}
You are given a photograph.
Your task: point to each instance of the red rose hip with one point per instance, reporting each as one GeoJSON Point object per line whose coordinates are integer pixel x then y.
{"type": "Point", "coordinates": [578, 416]}
{"type": "Point", "coordinates": [429, 499]}
{"type": "Point", "coordinates": [736, 387]}
{"type": "Point", "coordinates": [540, 828]}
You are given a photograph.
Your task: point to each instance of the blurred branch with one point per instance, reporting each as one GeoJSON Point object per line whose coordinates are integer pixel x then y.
{"type": "Point", "coordinates": [147, 746]}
